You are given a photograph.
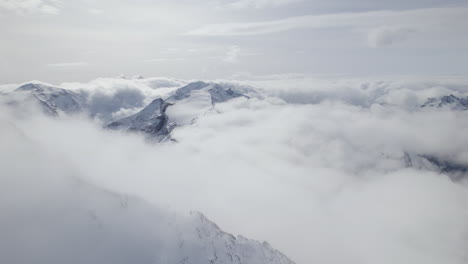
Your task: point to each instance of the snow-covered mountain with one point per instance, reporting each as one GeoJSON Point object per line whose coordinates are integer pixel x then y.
{"type": "Point", "coordinates": [151, 120]}
{"type": "Point", "coordinates": [182, 108]}
{"type": "Point", "coordinates": [451, 102]}
{"type": "Point", "coordinates": [196, 99]}
{"type": "Point", "coordinates": [186, 104]}
{"type": "Point", "coordinates": [454, 169]}
{"type": "Point", "coordinates": [222, 247]}
{"type": "Point", "coordinates": [217, 92]}
{"type": "Point", "coordinates": [52, 100]}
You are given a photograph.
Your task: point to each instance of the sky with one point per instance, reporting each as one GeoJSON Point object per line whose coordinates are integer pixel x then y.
{"type": "Point", "coordinates": [60, 40]}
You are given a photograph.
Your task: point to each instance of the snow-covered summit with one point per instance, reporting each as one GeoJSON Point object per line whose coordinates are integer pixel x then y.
{"type": "Point", "coordinates": [183, 107]}
{"type": "Point", "coordinates": [451, 102]}
{"type": "Point", "coordinates": [185, 91]}
{"type": "Point", "coordinates": [217, 92]}
{"type": "Point", "coordinates": [51, 99]}
{"type": "Point", "coordinates": [151, 120]}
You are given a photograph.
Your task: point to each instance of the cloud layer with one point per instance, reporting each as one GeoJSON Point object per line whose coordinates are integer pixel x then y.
{"type": "Point", "coordinates": [25, 7]}
{"type": "Point", "coordinates": [316, 167]}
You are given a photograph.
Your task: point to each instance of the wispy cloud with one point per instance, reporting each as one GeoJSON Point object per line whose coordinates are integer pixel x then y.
{"type": "Point", "coordinates": [68, 64]}
{"type": "Point", "coordinates": [24, 7]}
{"type": "Point", "coordinates": [240, 4]}
{"type": "Point", "coordinates": [232, 55]}
{"type": "Point", "coordinates": [390, 26]}
{"type": "Point", "coordinates": [95, 11]}
{"type": "Point", "coordinates": [164, 59]}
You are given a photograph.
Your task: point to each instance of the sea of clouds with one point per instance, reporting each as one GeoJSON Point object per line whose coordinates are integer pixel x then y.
{"type": "Point", "coordinates": [314, 165]}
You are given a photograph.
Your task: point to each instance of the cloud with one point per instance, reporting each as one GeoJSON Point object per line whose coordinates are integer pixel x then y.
{"type": "Point", "coordinates": [109, 98]}
{"type": "Point", "coordinates": [25, 7]}
{"type": "Point", "coordinates": [68, 64]}
{"type": "Point", "coordinates": [241, 4]}
{"type": "Point", "coordinates": [233, 54]}
{"type": "Point", "coordinates": [384, 36]}
{"type": "Point", "coordinates": [392, 24]}
{"type": "Point", "coordinates": [95, 11]}
{"type": "Point", "coordinates": [317, 163]}
{"type": "Point", "coordinates": [81, 222]}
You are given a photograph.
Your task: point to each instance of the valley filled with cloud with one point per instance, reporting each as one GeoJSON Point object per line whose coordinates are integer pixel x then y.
{"type": "Point", "coordinates": [327, 169]}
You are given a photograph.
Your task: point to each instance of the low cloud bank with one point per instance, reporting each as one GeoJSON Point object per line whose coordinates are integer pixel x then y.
{"type": "Point", "coordinates": [314, 166]}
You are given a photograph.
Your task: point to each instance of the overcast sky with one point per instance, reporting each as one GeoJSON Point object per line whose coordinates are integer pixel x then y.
{"type": "Point", "coordinates": [58, 40]}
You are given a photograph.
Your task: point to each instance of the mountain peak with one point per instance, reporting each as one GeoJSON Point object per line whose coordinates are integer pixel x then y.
{"type": "Point", "coordinates": [51, 99]}
{"type": "Point", "coordinates": [152, 120]}
{"type": "Point", "coordinates": [448, 101]}
{"type": "Point", "coordinates": [185, 91]}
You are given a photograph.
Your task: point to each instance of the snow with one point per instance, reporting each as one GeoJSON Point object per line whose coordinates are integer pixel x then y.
{"type": "Point", "coordinates": [152, 120]}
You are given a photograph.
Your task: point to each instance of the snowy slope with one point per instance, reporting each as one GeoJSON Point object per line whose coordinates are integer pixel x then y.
{"type": "Point", "coordinates": [182, 108]}
{"type": "Point", "coordinates": [217, 92]}
{"type": "Point", "coordinates": [215, 246]}
{"type": "Point", "coordinates": [195, 99]}
{"type": "Point", "coordinates": [51, 99]}
{"type": "Point", "coordinates": [151, 120]}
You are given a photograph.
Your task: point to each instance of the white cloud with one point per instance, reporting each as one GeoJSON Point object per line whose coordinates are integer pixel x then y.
{"type": "Point", "coordinates": [316, 164]}
{"type": "Point", "coordinates": [233, 54]}
{"type": "Point", "coordinates": [31, 6]}
{"type": "Point", "coordinates": [108, 98]}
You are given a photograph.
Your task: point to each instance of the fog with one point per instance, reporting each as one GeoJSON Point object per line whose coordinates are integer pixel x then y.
{"type": "Point", "coordinates": [315, 166]}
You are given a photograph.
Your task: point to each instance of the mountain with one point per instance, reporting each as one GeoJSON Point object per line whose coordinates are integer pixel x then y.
{"type": "Point", "coordinates": [217, 92]}
{"type": "Point", "coordinates": [151, 120]}
{"type": "Point", "coordinates": [222, 247]}
{"type": "Point", "coordinates": [186, 105]}
{"type": "Point", "coordinates": [449, 101]}
{"type": "Point", "coordinates": [454, 169]}
{"type": "Point", "coordinates": [182, 108]}
{"type": "Point", "coordinates": [196, 99]}
{"type": "Point", "coordinates": [51, 99]}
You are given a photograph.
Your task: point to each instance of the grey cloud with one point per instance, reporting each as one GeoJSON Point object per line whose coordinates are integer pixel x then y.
{"type": "Point", "coordinates": [381, 37]}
